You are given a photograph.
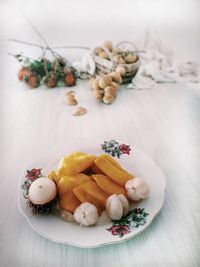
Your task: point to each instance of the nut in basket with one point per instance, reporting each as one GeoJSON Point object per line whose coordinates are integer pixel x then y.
{"type": "Point", "coordinates": [109, 58]}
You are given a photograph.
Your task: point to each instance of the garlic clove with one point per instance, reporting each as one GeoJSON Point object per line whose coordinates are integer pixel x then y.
{"type": "Point", "coordinates": [86, 214]}
{"type": "Point", "coordinates": [137, 189]}
{"type": "Point", "coordinates": [114, 207]}
{"type": "Point", "coordinates": [125, 204]}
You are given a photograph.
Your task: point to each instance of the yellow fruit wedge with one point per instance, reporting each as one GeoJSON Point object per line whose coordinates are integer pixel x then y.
{"type": "Point", "coordinates": [76, 164]}
{"type": "Point", "coordinates": [111, 159]}
{"type": "Point", "coordinates": [112, 169]}
{"type": "Point", "coordinates": [74, 155]}
{"type": "Point", "coordinates": [83, 196]}
{"type": "Point", "coordinates": [68, 182]}
{"type": "Point", "coordinates": [69, 202]}
{"type": "Point", "coordinates": [108, 185]}
{"type": "Point", "coordinates": [95, 191]}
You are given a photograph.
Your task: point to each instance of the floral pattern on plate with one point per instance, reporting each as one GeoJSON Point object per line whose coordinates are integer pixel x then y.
{"type": "Point", "coordinates": [114, 148]}
{"type": "Point", "coordinates": [134, 218]}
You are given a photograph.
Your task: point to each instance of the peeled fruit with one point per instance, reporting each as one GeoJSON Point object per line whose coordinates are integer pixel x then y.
{"type": "Point", "coordinates": [114, 207]}
{"type": "Point", "coordinates": [86, 214]}
{"type": "Point", "coordinates": [53, 176]}
{"type": "Point", "coordinates": [137, 189]}
{"type": "Point", "coordinates": [117, 206]}
{"type": "Point", "coordinates": [75, 164]}
{"type": "Point", "coordinates": [42, 191]}
{"type": "Point", "coordinates": [125, 204]}
{"type": "Point", "coordinates": [68, 182]}
{"type": "Point", "coordinates": [83, 196]}
{"type": "Point", "coordinates": [113, 170]}
{"type": "Point", "coordinates": [64, 160]}
{"type": "Point", "coordinates": [94, 190]}
{"type": "Point", "coordinates": [111, 159]}
{"type": "Point", "coordinates": [108, 185]}
{"type": "Point", "coordinates": [69, 202]}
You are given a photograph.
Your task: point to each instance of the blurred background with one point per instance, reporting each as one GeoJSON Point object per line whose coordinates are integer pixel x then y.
{"type": "Point", "coordinates": [88, 23]}
{"type": "Point", "coordinates": [174, 23]}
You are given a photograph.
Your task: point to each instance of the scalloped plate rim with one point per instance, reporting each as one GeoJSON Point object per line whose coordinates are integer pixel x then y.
{"type": "Point", "coordinates": [120, 240]}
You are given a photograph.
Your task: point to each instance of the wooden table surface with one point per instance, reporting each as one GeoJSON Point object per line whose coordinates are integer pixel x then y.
{"type": "Point", "coordinates": [164, 122]}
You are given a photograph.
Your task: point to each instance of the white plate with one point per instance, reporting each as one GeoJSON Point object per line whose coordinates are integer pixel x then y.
{"type": "Point", "coordinates": [54, 228]}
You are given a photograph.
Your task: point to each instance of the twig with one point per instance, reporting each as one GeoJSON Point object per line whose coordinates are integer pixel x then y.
{"type": "Point", "coordinates": [54, 54]}
{"type": "Point", "coordinates": [71, 47]}
{"type": "Point", "coordinates": [39, 34]}
{"type": "Point", "coordinates": [43, 47]}
{"type": "Point", "coordinates": [26, 43]}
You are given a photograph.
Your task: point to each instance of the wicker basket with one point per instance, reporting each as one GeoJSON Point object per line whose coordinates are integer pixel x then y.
{"type": "Point", "coordinates": [105, 66]}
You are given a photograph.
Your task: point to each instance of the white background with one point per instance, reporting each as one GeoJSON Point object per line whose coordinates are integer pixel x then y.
{"type": "Point", "coordinates": [164, 122]}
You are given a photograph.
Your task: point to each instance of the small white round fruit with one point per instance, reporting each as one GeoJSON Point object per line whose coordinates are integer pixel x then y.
{"type": "Point", "coordinates": [125, 204]}
{"type": "Point", "coordinates": [42, 191]}
{"type": "Point", "coordinates": [86, 214]}
{"type": "Point", "coordinates": [114, 207]}
{"type": "Point", "coordinates": [137, 189]}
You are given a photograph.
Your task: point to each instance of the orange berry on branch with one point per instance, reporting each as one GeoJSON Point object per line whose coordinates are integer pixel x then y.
{"type": "Point", "coordinates": [24, 73]}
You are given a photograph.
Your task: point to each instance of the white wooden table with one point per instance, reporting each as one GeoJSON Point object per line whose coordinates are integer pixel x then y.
{"type": "Point", "coordinates": [164, 122]}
